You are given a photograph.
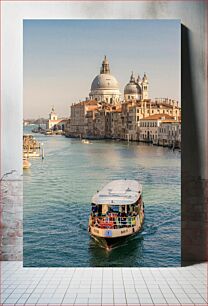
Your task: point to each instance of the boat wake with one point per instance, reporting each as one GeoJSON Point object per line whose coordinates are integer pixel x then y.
{"type": "Point", "coordinates": [149, 230]}
{"type": "Point", "coordinates": [100, 243]}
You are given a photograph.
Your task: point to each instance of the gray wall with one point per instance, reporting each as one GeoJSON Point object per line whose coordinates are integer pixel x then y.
{"type": "Point", "coordinates": [194, 109]}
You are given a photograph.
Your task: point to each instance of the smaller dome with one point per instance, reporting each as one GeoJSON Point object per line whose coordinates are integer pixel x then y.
{"type": "Point", "coordinates": [132, 87]}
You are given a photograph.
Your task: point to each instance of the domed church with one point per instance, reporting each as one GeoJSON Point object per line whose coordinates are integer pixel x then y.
{"type": "Point", "coordinates": [136, 89]}
{"type": "Point", "coordinates": [105, 87]}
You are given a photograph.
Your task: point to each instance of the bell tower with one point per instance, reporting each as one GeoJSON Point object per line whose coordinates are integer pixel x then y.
{"type": "Point", "coordinates": [52, 115]}
{"type": "Point", "coordinates": [145, 87]}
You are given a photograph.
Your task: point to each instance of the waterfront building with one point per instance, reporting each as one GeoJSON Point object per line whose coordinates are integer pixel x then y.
{"type": "Point", "coordinates": [133, 111]}
{"type": "Point", "coordinates": [105, 115]}
{"type": "Point", "coordinates": [116, 124]}
{"type": "Point", "coordinates": [63, 124]}
{"type": "Point", "coordinates": [79, 120]}
{"type": "Point", "coordinates": [149, 127]}
{"type": "Point", "coordinates": [99, 121]}
{"type": "Point", "coordinates": [93, 119]}
{"type": "Point", "coordinates": [129, 120]}
{"type": "Point", "coordinates": [53, 119]}
{"type": "Point", "coordinates": [67, 126]}
{"type": "Point", "coordinates": [90, 122]}
{"type": "Point", "coordinates": [169, 134]}
{"type": "Point", "coordinates": [55, 123]}
{"type": "Point", "coordinates": [105, 87]}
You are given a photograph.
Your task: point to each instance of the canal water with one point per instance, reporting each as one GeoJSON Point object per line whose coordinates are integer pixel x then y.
{"type": "Point", "coordinates": [57, 197]}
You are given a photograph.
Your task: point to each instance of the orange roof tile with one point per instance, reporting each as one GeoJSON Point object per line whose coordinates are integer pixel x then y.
{"type": "Point", "coordinates": [159, 117]}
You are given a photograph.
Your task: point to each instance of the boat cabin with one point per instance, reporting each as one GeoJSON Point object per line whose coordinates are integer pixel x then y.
{"type": "Point", "coordinates": [117, 205]}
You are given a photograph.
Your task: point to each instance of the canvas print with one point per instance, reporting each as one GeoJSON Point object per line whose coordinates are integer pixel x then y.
{"type": "Point", "coordinates": [102, 143]}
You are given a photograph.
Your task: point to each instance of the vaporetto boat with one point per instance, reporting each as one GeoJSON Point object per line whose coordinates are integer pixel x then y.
{"type": "Point", "coordinates": [117, 211]}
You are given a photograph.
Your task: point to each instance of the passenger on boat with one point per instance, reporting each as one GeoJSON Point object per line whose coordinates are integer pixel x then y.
{"type": "Point", "coordinates": [94, 209]}
{"type": "Point", "coordinates": [129, 221]}
{"type": "Point", "coordinates": [117, 222]}
{"type": "Point", "coordinates": [133, 221]}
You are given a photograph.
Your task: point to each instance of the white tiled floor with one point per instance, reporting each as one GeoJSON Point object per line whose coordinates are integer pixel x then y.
{"type": "Point", "coordinates": [103, 286]}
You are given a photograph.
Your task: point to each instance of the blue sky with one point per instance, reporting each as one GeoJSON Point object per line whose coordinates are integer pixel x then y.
{"type": "Point", "coordinates": [61, 58]}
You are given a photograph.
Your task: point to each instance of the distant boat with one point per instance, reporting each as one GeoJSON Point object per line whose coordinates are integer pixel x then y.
{"type": "Point", "coordinates": [85, 141]}
{"type": "Point", "coordinates": [47, 132]}
{"type": "Point", "coordinates": [117, 211]}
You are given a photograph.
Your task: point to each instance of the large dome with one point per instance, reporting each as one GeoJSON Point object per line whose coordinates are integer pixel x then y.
{"type": "Point", "coordinates": [105, 87]}
{"type": "Point", "coordinates": [104, 81]}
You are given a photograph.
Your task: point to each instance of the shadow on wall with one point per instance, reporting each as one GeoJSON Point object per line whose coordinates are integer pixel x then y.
{"type": "Point", "coordinates": [193, 210]}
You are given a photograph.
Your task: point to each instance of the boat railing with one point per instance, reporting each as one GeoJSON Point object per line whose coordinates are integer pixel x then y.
{"type": "Point", "coordinates": [117, 222]}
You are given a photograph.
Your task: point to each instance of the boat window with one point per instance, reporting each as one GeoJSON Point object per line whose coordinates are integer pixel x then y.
{"type": "Point", "coordinates": [114, 208]}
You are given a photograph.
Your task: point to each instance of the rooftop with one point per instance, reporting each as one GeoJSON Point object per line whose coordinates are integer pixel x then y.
{"type": "Point", "coordinates": [119, 192]}
{"type": "Point", "coordinates": [159, 117]}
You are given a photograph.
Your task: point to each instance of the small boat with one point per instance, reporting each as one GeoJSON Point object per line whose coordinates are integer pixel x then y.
{"type": "Point", "coordinates": [47, 132]}
{"type": "Point", "coordinates": [117, 211]}
{"type": "Point", "coordinates": [85, 141]}
{"type": "Point", "coordinates": [26, 163]}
